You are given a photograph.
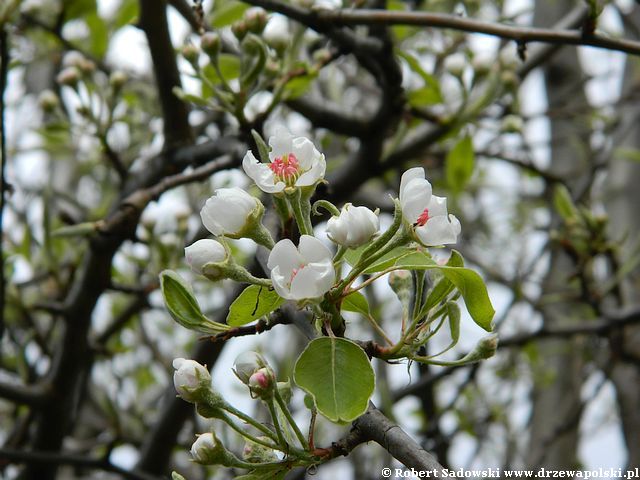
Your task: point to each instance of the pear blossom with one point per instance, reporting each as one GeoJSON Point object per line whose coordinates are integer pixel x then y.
{"type": "Point", "coordinates": [426, 212]}
{"type": "Point", "coordinates": [294, 162]}
{"type": "Point", "coordinates": [353, 227]}
{"type": "Point", "coordinates": [229, 211]}
{"type": "Point", "coordinates": [303, 272]}
{"type": "Point", "coordinates": [204, 251]}
{"type": "Point", "coordinates": [190, 378]}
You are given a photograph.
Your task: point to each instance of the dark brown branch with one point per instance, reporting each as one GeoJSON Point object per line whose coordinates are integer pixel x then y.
{"type": "Point", "coordinates": [453, 22]}
{"type": "Point", "coordinates": [32, 395]}
{"type": "Point", "coordinates": [153, 21]}
{"type": "Point", "coordinates": [374, 426]}
{"type": "Point", "coordinates": [327, 116]}
{"type": "Point", "coordinates": [8, 456]}
{"type": "Point", "coordinates": [185, 10]}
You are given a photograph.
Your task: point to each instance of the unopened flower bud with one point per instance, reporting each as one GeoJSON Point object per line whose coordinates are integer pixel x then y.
{"type": "Point", "coordinates": [455, 64]}
{"type": "Point", "coordinates": [512, 124]}
{"type": "Point", "coordinates": [276, 33]}
{"type": "Point", "coordinates": [87, 66]}
{"type": "Point", "coordinates": [208, 450]}
{"type": "Point", "coordinates": [257, 453]}
{"type": "Point", "coordinates": [191, 53]}
{"type": "Point", "coordinates": [73, 59]}
{"type": "Point", "coordinates": [354, 226]}
{"type": "Point", "coordinates": [262, 383]}
{"type": "Point", "coordinates": [192, 381]}
{"type": "Point", "coordinates": [240, 29]}
{"type": "Point", "coordinates": [68, 77]}
{"type": "Point", "coordinates": [204, 251]}
{"type": "Point", "coordinates": [118, 79]}
{"type": "Point", "coordinates": [210, 44]}
{"type": "Point", "coordinates": [247, 364]}
{"type": "Point", "coordinates": [48, 101]}
{"type": "Point", "coordinates": [509, 79]}
{"type": "Point", "coordinates": [482, 64]}
{"type": "Point", "coordinates": [255, 19]}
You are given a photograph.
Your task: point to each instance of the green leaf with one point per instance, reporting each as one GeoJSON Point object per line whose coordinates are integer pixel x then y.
{"type": "Point", "coordinates": [227, 11]}
{"type": "Point", "coordinates": [74, 9]}
{"type": "Point", "coordinates": [443, 287]}
{"type": "Point", "coordinates": [183, 306]}
{"type": "Point", "coordinates": [424, 96]}
{"type": "Point", "coordinates": [298, 86]}
{"type": "Point", "coordinates": [229, 68]}
{"type": "Point", "coordinates": [189, 97]}
{"type": "Point", "coordinates": [126, 14]}
{"type": "Point", "coordinates": [563, 203]}
{"type": "Point", "coordinates": [263, 148]}
{"type": "Point", "coordinates": [469, 284]}
{"type": "Point", "coordinates": [339, 376]}
{"type": "Point", "coordinates": [355, 302]}
{"type": "Point", "coordinates": [254, 302]}
{"type": "Point", "coordinates": [459, 164]}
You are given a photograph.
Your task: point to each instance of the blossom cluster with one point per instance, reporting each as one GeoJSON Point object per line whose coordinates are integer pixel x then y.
{"type": "Point", "coordinates": [290, 172]}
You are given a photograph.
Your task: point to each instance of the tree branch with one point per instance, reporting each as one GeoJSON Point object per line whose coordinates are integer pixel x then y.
{"type": "Point", "coordinates": [374, 426]}
{"type": "Point", "coordinates": [46, 458]}
{"type": "Point", "coordinates": [32, 395]}
{"type": "Point", "coordinates": [153, 21]}
{"type": "Point", "coordinates": [510, 32]}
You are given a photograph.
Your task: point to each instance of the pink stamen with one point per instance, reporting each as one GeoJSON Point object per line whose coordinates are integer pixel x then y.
{"type": "Point", "coordinates": [422, 219]}
{"type": "Point", "coordinates": [286, 167]}
{"type": "Point", "coordinates": [294, 273]}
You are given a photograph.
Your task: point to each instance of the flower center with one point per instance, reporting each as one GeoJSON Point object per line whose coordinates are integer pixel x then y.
{"type": "Point", "coordinates": [422, 219]}
{"type": "Point", "coordinates": [294, 273]}
{"type": "Point", "coordinates": [286, 168]}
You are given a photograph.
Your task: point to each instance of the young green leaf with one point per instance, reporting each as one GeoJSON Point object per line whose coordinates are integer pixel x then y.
{"type": "Point", "coordinates": [355, 302]}
{"type": "Point", "coordinates": [254, 302]}
{"type": "Point", "coordinates": [338, 375]}
{"type": "Point", "coordinates": [468, 282]}
{"type": "Point", "coordinates": [183, 306]}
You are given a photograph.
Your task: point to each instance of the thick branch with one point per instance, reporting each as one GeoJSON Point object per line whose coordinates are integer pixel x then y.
{"type": "Point", "coordinates": [153, 21]}
{"type": "Point", "coordinates": [453, 22]}
{"type": "Point", "coordinates": [32, 395]}
{"type": "Point", "coordinates": [374, 426]}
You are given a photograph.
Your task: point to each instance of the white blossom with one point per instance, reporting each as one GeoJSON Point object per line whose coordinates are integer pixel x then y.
{"type": "Point", "coordinates": [294, 162]}
{"type": "Point", "coordinates": [303, 272]}
{"type": "Point", "coordinates": [202, 252]}
{"type": "Point", "coordinates": [354, 226]}
{"type": "Point", "coordinates": [426, 212]}
{"type": "Point", "coordinates": [228, 211]}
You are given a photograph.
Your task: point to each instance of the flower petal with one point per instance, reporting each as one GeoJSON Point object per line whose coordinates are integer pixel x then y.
{"type": "Point", "coordinates": [315, 173]}
{"type": "Point", "coordinates": [439, 231]}
{"type": "Point", "coordinates": [313, 281]}
{"type": "Point", "coordinates": [285, 256]}
{"type": "Point", "coordinates": [313, 250]}
{"type": "Point", "coordinates": [414, 198]}
{"type": "Point", "coordinates": [437, 206]}
{"type": "Point", "coordinates": [261, 174]}
{"type": "Point", "coordinates": [280, 143]}
{"type": "Point", "coordinates": [281, 283]}
{"type": "Point", "coordinates": [305, 152]}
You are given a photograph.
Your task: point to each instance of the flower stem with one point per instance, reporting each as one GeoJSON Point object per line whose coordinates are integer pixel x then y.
{"type": "Point", "coordinates": [276, 423]}
{"type": "Point", "coordinates": [246, 418]}
{"type": "Point", "coordinates": [294, 425]}
{"type": "Point", "coordinates": [225, 418]}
